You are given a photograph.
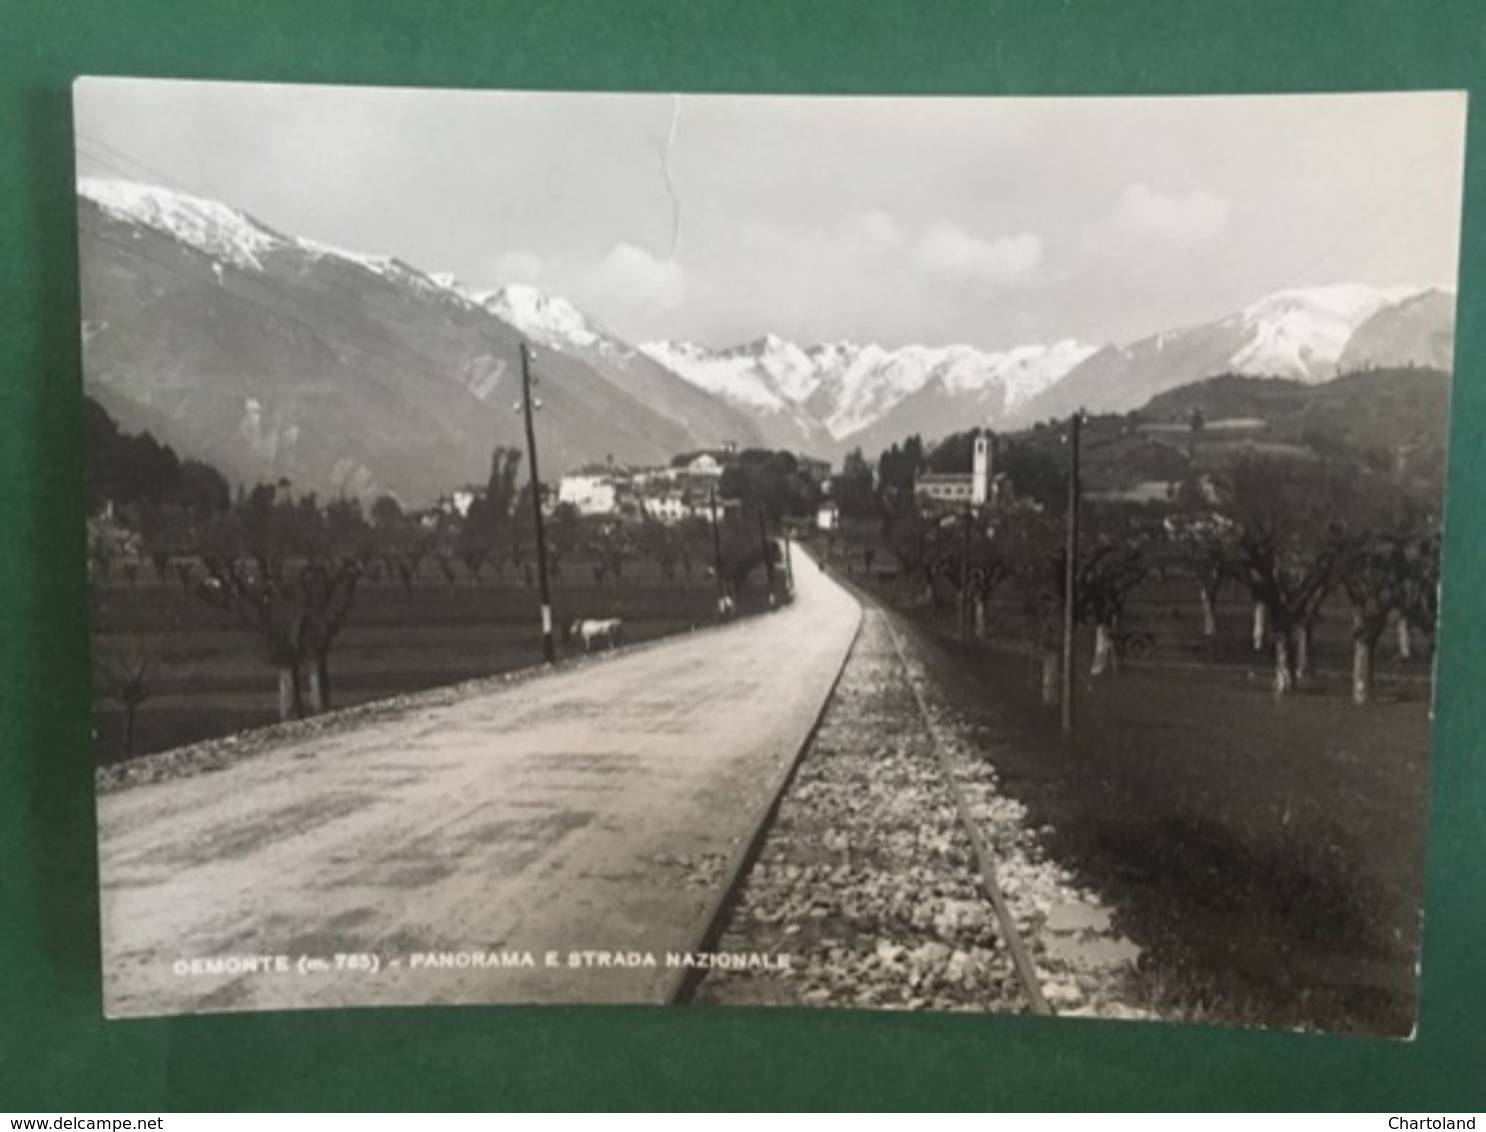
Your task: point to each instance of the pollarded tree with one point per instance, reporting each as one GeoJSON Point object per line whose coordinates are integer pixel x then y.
{"type": "Point", "coordinates": [249, 557]}
{"type": "Point", "coordinates": [287, 570]}
{"type": "Point", "coordinates": [1420, 601]}
{"type": "Point", "coordinates": [340, 544]}
{"type": "Point", "coordinates": [1374, 575]}
{"type": "Point", "coordinates": [912, 538]}
{"type": "Point", "coordinates": [1032, 544]}
{"type": "Point", "coordinates": [967, 557]}
{"type": "Point", "coordinates": [1107, 574]}
{"type": "Point", "coordinates": [1203, 538]}
{"type": "Point", "coordinates": [1392, 569]}
{"type": "Point", "coordinates": [984, 569]}
{"type": "Point", "coordinates": [1289, 546]}
{"type": "Point", "coordinates": [123, 670]}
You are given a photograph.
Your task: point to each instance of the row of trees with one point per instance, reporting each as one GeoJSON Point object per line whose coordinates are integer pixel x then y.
{"type": "Point", "coordinates": [1292, 534]}
{"type": "Point", "coordinates": [289, 568]}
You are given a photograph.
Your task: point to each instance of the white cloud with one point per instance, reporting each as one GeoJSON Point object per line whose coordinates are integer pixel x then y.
{"type": "Point", "coordinates": [1142, 215]}
{"type": "Point", "coordinates": [631, 290]}
{"type": "Point", "coordinates": [630, 276]}
{"type": "Point", "coordinates": [948, 251]}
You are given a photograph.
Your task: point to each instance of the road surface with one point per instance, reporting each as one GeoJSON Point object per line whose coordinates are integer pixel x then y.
{"type": "Point", "coordinates": [536, 843]}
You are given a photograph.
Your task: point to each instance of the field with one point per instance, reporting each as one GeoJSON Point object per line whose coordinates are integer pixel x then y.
{"type": "Point", "coordinates": [1266, 853]}
{"type": "Point", "coordinates": [209, 676]}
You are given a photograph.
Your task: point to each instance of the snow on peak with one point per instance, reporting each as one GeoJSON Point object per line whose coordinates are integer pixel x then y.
{"type": "Point", "coordinates": [851, 386]}
{"type": "Point", "coordinates": [547, 318]}
{"type": "Point", "coordinates": [209, 225]}
{"type": "Point", "coordinates": [1300, 333]}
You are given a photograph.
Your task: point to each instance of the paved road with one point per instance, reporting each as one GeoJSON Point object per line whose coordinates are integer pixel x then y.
{"type": "Point", "coordinates": [590, 809]}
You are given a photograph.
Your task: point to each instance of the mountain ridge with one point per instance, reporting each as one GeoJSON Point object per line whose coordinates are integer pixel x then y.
{"type": "Point", "coordinates": [357, 373]}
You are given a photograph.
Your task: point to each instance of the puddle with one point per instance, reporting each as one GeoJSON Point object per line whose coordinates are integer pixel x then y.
{"type": "Point", "coordinates": [1078, 934]}
{"type": "Point", "coordinates": [1077, 917]}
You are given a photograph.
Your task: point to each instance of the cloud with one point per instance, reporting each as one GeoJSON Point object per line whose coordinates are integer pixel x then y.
{"type": "Point", "coordinates": [949, 252]}
{"type": "Point", "coordinates": [1144, 216]}
{"type": "Point", "coordinates": [632, 277]}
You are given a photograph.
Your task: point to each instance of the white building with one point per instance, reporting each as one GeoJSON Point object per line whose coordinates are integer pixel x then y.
{"type": "Point", "coordinates": [705, 465]}
{"type": "Point", "coordinates": [975, 489]}
{"type": "Point", "coordinates": [669, 508]}
{"type": "Point", "coordinates": [590, 494]}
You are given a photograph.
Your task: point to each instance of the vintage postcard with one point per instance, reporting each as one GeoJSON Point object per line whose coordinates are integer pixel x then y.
{"type": "Point", "coordinates": [969, 554]}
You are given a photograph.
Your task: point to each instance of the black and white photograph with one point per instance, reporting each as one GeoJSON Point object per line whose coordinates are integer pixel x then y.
{"type": "Point", "coordinates": [865, 553]}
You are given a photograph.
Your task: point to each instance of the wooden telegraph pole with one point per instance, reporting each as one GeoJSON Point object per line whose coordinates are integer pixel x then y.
{"type": "Point", "coordinates": [716, 541]}
{"type": "Point", "coordinates": [1070, 573]}
{"type": "Point", "coordinates": [549, 646]}
{"type": "Point", "coordinates": [964, 606]}
{"type": "Point", "coordinates": [763, 540]}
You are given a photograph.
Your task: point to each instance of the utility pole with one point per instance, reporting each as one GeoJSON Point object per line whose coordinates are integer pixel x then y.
{"type": "Point", "coordinates": [1070, 572]}
{"type": "Point", "coordinates": [549, 647]}
{"type": "Point", "coordinates": [763, 540]}
{"type": "Point", "coordinates": [716, 541]}
{"type": "Point", "coordinates": [964, 571]}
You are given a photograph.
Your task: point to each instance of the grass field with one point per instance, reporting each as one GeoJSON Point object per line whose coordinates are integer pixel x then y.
{"type": "Point", "coordinates": [210, 678]}
{"type": "Point", "coordinates": [1266, 853]}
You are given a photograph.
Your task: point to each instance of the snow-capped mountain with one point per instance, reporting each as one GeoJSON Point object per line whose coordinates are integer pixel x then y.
{"type": "Point", "coordinates": [844, 388]}
{"type": "Point", "coordinates": [275, 355]}
{"type": "Point", "coordinates": [271, 356]}
{"type": "Point", "coordinates": [1419, 330]}
{"type": "Point", "coordinates": [556, 323]}
{"type": "Point", "coordinates": [1302, 334]}
{"type": "Point", "coordinates": [869, 396]}
{"type": "Point", "coordinates": [768, 379]}
{"type": "Point", "coordinates": [550, 319]}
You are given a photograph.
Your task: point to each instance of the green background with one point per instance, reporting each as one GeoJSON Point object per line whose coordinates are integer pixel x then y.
{"type": "Point", "coordinates": [57, 1053]}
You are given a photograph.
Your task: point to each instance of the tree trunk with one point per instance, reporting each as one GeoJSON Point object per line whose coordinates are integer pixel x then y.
{"type": "Point", "coordinates": [320, 683]}
{"type": "Point", "coordinates": [1052, 678]}
{"type": "Point", "coordinates": [1209, 612]}
{"type": "Point", "coordinates": [291, 704]}
{"type": "Point", "coordinates": [1405, 639]}
{"type": "Point", "coordinates": [1304, 662]}
{"type": "Point", "coordinates": [129, 710]}
{"type": "Point", "coordinates": [980, 618]}
{"type": "Point", "coordinates": [1261, 626]}
{"type": "Point", "coordinates": [1362, 654]}
{"type": "Point", "coordinates": [1284, 665]}
{"type": "Point", "coordinates": [1106, 659]}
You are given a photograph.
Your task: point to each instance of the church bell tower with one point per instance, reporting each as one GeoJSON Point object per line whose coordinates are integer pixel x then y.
{"type": "Point", "coordinates": [980, 475]}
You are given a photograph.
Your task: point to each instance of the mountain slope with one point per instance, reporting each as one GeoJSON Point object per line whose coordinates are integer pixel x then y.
{"type": "Point", "coordinates": [1418, 331]}
{"type": "Point", "coordinates": [710, 421]}
{"type": "Point", "coordinates": [275, 357]}
{"type": "Point", "coordinates": [771, 396]}
{"type": "Point", "coordinates": [1299, 334]}
{"type": "Point", "coordinates": [836, 396]}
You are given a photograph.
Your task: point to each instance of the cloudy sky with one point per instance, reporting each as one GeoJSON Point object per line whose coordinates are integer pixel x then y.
{"type": "Point", "coordinates": [994, 222]}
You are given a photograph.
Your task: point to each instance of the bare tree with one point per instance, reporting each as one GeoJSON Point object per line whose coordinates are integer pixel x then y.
{"type": "Point", "coordinates": [1036, 556]}
{"type": "Point", "coordinates": [1106, 576]}
{"type": "Point", "coordinates": [1374, 576]}
{"type": "Point", "coordinates": [1288, 547]}
{"type": "Point", "coordinates": [288, 571]}
{"type": "Point", "coordinates": [123, 670]}
{"type": "Point", "coordinates": [1204, 539]}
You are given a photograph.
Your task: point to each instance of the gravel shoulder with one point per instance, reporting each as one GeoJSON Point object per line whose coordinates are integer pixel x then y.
{"type": "Point", "coordinates": [864, 890]}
